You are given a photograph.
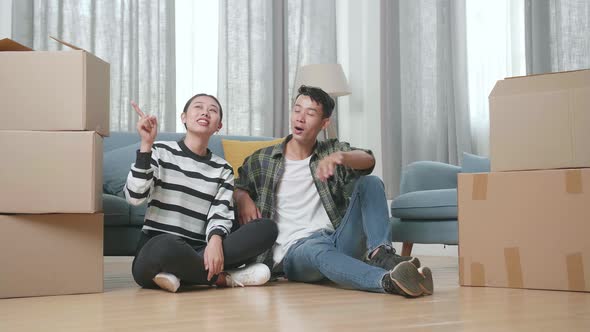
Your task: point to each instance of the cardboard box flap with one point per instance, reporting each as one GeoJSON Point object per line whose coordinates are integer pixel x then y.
{"type": "Point", "coordinates": [550, 73]}
{"type": "Point", "coordinates": [9, 45]}
{"type": "Point", "coordinates": [541, 83]}
{"type": "Point", "coordinates": [68, 44]}
{"type": "Point", "coordinates": [76, 48]}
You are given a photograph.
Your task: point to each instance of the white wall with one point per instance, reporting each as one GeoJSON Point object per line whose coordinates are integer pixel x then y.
{"type": "Point", "coordinates": [358, 39]}
{"type": "Point", "coordinates": [5, 19]}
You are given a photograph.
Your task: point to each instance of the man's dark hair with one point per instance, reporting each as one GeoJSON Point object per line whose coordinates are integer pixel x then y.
{"type": "Point", "coordinates": [319, 96]}
{"type": "Point", "coordinates": [204, 95]}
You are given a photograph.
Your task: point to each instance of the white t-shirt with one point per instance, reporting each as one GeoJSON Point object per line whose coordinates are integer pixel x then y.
{"type": "Point", "coordinates": [299, 212]}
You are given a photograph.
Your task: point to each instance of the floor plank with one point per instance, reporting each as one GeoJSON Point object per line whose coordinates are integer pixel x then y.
{"type": "Point", "coordinates": [286, 306]}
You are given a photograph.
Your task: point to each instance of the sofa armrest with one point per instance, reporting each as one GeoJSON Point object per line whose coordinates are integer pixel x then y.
{"type": "Point", "coordinates": [428, 175]}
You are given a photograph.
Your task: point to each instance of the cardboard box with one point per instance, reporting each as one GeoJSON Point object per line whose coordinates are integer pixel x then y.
{"type": "Point", "coordinates": [525, 229]}
{"type": "Point", "coordinates": [540, 122]}
{"type": "Point", "coordinates": [58, 91]}
{"type": "Point", "coordinates": [51, 172]}
{"type": "Point", "coordinates": [51, 254]}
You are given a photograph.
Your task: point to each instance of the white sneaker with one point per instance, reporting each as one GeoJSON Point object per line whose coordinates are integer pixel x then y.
{"type": "Point", "coordinates": [250, 275]}
{"type": "Point", "coordinates": [167, 281]}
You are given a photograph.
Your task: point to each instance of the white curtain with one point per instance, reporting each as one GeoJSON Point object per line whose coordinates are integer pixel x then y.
{"type": "Point", "coordinates": [311, 40]}
{"type": "Point", "coordinates": [495, 50]}
{"type": "Point", "coordinates": [135, 37]}
{"type": "Point", "coordinates": [557, 35]}
{"type": "Point", "coordinates": [425, 99]}
{"type": "Point", "coordinates": [311, 35]}
{"type": "Point", "coordinates": [245, 83]}
{"type": "Point", "coordinates": [441, 60]}
{"type": "Point", "coordinates": [262, 43]}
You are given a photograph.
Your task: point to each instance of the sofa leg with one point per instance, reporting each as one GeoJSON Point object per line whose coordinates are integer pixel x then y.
{"type": "Point", "coordinates": [407, 248]}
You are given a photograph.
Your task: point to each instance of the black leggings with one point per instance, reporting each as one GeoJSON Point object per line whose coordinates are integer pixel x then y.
{"type": "Point", "coordinates": [161, 252]}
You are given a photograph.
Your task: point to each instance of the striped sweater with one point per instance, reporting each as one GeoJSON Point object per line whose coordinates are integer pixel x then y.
{"type": "Point", "coordinates": [188, 195]}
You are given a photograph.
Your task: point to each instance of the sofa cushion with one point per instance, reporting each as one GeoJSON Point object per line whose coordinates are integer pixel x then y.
{"type": "Point", "coordinates": [116, 166]}
{"type": "Point", "coordinates": [236, 151]}
{"type": "Point", "coordinates": [137, 213]}
{"type": "Point", "coordinates": [116, 210]}
{"type": "Point", "coordinates": [216, 145]}
{"type": "Point", "coordinates": [440, 204]}
{"type": "Point", "coordinates": [474, 163]}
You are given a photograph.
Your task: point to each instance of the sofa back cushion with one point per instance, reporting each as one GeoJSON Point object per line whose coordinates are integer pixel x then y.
{"type": "Point", "coordinates": [120, 152]}
{"type": "Point", "coordinates": [236, 151]}
{"type": "Point", "coordinates": [474, 164]}
{"type": "Point", "coordinates": [116, 166]}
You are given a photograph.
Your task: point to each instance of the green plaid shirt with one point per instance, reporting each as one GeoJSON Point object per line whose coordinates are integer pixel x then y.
{"type": "Point", "coordinates": [262, 171]}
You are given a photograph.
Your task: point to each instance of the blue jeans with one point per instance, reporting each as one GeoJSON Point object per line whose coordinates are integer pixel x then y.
{"type": "Point", "coordinates": [338, 255]}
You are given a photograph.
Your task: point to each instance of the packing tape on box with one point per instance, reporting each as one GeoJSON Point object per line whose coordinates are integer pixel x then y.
{"type": "Point", "coordinates": [478, 275]}
{"type": "Point", "coordinates": [480, 187]}
{"type": "Point", "coordinates": [575, 272]}
{"type": "Point", "coordinates": [573, 181]}
{"type": "Point", "coordinates": [513, 267]}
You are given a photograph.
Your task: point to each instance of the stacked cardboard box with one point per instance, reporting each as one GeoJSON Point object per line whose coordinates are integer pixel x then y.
{"type": "Point", "coordinates": [526, 224]}
{"type": "Point", "coordinates": [55, 109]}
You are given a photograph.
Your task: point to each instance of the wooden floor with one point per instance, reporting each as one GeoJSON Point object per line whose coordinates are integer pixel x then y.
{"type": "Point", "coordinates": [285, 306]}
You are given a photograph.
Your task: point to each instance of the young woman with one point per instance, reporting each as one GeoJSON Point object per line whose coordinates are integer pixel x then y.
{"type": "Point", "coordinates": [186, 238]}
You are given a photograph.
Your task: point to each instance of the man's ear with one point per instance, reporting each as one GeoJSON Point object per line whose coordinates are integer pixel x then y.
{"type": "Point", "coordinates": [325, 123]}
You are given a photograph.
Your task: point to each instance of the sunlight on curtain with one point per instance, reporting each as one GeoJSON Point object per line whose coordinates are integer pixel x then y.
{"type": "Point", "coordinates": [495, 50]}
{"type": "Point", "coordinates": [197, 26]}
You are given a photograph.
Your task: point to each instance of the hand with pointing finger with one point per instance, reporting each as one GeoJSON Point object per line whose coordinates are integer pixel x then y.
{"type": "Point", "coordinates": [147, 127]}
{"type": "Point", "coordinates": [327, 166]}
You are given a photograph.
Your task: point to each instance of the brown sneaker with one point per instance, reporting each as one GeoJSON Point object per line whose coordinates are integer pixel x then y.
{"type": "Point", "coordinates": [387, 259]}
{"type": "Point", "coordinates": [404, 280]}
{"type": "Point", "coordinates": [426, 284]}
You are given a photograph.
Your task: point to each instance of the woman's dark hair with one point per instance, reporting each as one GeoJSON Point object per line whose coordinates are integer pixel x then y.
{"type": "Point", "coordinates": [204, 95]}
{"type": "Point", "coordinates": [319, 96]}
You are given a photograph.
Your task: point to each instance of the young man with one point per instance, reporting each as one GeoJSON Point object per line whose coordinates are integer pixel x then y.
{"type": "Point", "coordinates": [333, 221]}
{"type": "Point", "coordinates": [186, 237]}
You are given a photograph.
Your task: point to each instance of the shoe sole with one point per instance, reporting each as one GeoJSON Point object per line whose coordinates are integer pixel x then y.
{"type": "Point", "coordinates": [415, 261]}
{"type": "Point", "coordinates": [426, 284]}
{"type": "Point", "coordinates": [166, 284]}
{"type": "Point", "coordinates": [407, 278]}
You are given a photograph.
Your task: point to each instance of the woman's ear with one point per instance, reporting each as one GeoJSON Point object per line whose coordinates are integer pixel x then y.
{"type": "Point", "coordinates": [183, 117]}
{"type": "Point", "coordinates": [220, 126]}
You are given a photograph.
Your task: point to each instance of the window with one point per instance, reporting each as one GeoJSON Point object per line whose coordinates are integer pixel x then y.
{"type": "Point", "coordinates": [197, 26]}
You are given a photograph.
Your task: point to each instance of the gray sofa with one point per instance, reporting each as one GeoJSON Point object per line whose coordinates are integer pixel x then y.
{"type": "Point", "coordinates": [426, 209]}
{"type": "Point", "coordinates": [122, 221]}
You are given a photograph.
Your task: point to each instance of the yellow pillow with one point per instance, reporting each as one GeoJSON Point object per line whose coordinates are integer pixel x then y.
{"type": "Point", "coordinates": [236, 151]}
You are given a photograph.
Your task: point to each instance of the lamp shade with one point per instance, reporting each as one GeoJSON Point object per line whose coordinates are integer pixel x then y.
{"type": "Point", "coordinates": [329, 77]}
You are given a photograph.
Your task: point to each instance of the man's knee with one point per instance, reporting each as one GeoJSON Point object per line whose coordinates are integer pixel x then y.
{"type": "Point", "coordinates": [370, 183]}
